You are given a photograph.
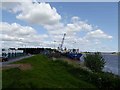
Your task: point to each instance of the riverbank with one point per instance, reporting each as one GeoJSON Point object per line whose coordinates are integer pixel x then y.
{"type": "Point", "coordinates": [111, 64]}
{"type": "Point", "coordinates": [46, 72]}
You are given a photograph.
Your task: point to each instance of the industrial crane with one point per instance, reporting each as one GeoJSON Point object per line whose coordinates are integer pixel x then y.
{"type": "Point", "coordinates": [72, 55]}
{"type": "Point", "coordinates": [61, 45]}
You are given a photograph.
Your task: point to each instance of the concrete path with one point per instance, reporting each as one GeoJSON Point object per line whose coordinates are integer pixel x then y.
{"type": "Point", "coordinates": [14, 60]}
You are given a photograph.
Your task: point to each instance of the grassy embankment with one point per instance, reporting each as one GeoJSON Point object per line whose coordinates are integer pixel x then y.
{"type": "Point", "coordinates": [46, 73]}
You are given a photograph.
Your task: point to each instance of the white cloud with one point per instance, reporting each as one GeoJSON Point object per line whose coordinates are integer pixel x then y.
{"type": "Point", "coordinates": [16, 29]}
{"type": "Point", "coordinates": [16, 33]}
{"type": "Point", "coordinates": [71, 29]}
{"type": "Point", "coordinates": [98, 34]}
{"type": "Point", "coordinates": [10, 6]}
{"type": "Point", "coordinates": [42, 14]}
{"type": "Point", "coordinates": [47, 16]}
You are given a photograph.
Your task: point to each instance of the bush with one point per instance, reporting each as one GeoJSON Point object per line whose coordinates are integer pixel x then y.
{"type": "Point", "coordinates": [95, 61]}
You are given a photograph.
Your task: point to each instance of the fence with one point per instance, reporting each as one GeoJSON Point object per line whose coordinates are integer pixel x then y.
{"type": "Point", "coordinates": [12, 53]}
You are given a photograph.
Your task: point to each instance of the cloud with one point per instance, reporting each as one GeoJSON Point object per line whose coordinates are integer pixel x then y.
{"type": "Point", "coordinates": [16, 33]}
{"type": "Point", "coordinates": [47, 16]}
{"type": "Point", "coordinates": [10, 6]}
{"type": "Point", "coordinates": [17, 29]}
{"type": "Point", "coordinates": [98, 34]}
{"type": "Point", "coordinates": [75, 19]}
{"type": "Point", "coordinates": [71, 29]}
{"type": "Point", "coordinates": [42, 14]}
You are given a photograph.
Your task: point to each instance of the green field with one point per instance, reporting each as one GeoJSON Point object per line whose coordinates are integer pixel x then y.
{"type": "Point", "coordinates": [46, 73]}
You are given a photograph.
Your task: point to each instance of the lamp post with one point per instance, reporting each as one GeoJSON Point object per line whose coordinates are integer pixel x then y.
{"type": "Point", "coordinates": [25, 49]}
{"type": "Point", "coordinates": [20, 41]}
{"type": "Point", "coordinates": [54, 44]}
{"type": "Point", "coordinates": [23, 45]}
{"type": "Point", "coordinates": [74, 45]}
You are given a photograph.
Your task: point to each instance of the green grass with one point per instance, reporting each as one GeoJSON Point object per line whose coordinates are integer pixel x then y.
{"type": "Point", "coordinates": [46, 73]}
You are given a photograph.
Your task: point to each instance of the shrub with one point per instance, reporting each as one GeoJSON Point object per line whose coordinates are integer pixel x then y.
{"type": "Point", "coordinates": [95, 61]}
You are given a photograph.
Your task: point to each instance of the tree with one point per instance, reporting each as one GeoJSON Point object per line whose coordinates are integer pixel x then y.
{"type": "Point", "coordinates": [94, 61]}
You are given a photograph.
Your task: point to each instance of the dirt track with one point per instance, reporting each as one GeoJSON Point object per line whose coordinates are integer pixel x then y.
{"type": "Point", "coordinates": [20, 66]}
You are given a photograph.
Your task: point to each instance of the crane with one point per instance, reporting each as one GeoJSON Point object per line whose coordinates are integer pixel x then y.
{"type": "Point", "coordinates": [61, 45]}
{"type": "Point", "coordinates": [72, 55]}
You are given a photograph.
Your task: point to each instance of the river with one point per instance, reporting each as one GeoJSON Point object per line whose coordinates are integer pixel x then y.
{"type": "Point", "coordinates": [111, 64]}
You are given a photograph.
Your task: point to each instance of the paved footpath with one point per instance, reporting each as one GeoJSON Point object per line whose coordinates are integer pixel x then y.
{"type": "Point", "coordinates": [14, 60]}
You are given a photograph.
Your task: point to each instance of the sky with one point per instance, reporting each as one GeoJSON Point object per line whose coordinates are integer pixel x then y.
{"type": "Point", "coordinates": [89, 26]}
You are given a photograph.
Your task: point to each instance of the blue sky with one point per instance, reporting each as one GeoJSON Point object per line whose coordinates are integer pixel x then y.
{"type": "Point", "coordinates": [102, 16]}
